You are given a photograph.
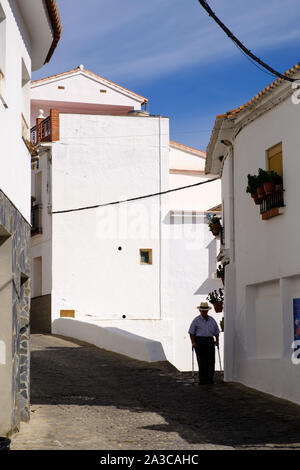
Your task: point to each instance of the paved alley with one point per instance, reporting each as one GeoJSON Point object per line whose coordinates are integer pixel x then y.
{"type": "Point", "coordinates": [87, 398]}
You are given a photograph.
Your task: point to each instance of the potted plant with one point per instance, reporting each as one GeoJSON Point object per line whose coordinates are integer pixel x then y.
{"type": "Point", "coordinates": [216, 298]}
{"type": "Point", "coordinates": [215, 225]}
{"type": "Point", "coordinates": [261, 179]}
{"type": "Point", "coordinates": [273, 179]}
{"type": "Point", "coordinates": [221, 273]}
{"type": "Point", "coordinates": [252, 186]}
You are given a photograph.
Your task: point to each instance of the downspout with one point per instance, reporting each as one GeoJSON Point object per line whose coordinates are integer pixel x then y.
{"type": "Point", "coordinates": [230, 278]}
{"type": "Point", "coordinates": [230, 153]}
{"type": "Point", "coordinates": [160, 222]}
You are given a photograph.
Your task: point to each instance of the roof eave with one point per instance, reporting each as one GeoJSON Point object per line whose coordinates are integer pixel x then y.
{"type": "Point", "coordinates": [56, 25]}
{"type": "Point", "coordinates": [141, 99]}
{"type": "Point", "coordinates": [186, 148]}
{"type": "Point", "coordinates": [223, 130]}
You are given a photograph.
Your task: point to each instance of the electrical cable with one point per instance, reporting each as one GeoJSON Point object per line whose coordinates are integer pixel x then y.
{"type": "Point", "coordinates": [134, 198]}
{"type": "Point", "coordinates": [241, 46]}
{"type": "Point", "coordinates": [253, 63]}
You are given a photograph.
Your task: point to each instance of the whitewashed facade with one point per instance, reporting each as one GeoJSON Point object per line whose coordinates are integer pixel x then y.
{"type": "Point", "coordinates": [29, 32]}
{"type": "Point", "coordinates": [88, 263]}
{"type": "Point", "coordinates": [263, 277]}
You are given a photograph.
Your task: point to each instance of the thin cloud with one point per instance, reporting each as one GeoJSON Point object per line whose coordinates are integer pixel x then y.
{"type": "Point", "coordinates": [140, 41]}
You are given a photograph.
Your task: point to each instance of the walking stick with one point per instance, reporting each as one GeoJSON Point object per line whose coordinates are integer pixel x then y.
{"type": "Point", "coordinates": [193, 369]}
{"type": "Point", "coordinates": [220, 363]}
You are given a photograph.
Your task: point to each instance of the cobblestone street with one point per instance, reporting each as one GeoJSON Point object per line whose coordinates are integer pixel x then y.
{"type": "Point", "coordinates": [87, 398]}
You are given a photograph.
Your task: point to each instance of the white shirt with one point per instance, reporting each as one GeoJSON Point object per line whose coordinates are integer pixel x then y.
{"type": "Point", "coordinates": [202, 327]}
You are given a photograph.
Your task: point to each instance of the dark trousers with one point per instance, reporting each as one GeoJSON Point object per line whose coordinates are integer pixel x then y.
{"type": "Point", "coordinates": [205, 351]}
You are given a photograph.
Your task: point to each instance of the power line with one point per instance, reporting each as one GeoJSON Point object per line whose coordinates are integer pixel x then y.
{"type": "Point", "coordinates": [241, 46]}
{"type": "Point", "coordinates": [254, 63]}
{"type": "Point", "coordinates": [134, 198]}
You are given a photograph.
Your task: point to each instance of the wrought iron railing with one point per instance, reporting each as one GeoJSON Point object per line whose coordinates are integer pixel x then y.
{"type": "Point", "coordinates": [36, 219]}
{"type": "Point", "coordinates": [33, 135]}
{"type": "Point", "coordinates": [272, 201]}
{"type": "Point", "coordinates": [41, 132]}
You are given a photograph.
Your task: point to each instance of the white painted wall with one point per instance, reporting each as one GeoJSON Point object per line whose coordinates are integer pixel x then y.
{"type": "Point", "coordinates": [199, 198]}
{"type": "Point", "coordinates": [15, 160]}
{"type": "Point", "coordinates": [102, 159]}
{"type": "Point", "coordinates": [79, 88]}
{"type": "Point", "coordinates": [193, 251]}
{"type": "Point", "coordinates": [267, 265]}
{"type": "Point", "coordinates": [41, 244]}
{"type": "Point", "coordinates": [111, 338]}
{"type": "Point", "coordinates": [25, 37]}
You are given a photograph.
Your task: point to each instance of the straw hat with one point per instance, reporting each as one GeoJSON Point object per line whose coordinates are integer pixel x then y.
{"type": "Point", "coordinates": [204, 306]}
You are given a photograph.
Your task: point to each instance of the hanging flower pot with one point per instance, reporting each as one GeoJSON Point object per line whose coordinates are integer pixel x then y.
{"type": "Point", "coordinates": [269, 187]}
{"type": "Point", "coordinates": [218, 306]}
{"type": "Point", "coordinates": [215, 225]}
{"type": "Point", "coordinates": [215, 228]}
{"type": "Point", "coordinates": [216, 299]}
{"type": "Point", "coordinates": [260, 192]}
{"type": "Point", "coordinates": [255, 198]}
{"type": "Point", "coordinates": [221, 272]}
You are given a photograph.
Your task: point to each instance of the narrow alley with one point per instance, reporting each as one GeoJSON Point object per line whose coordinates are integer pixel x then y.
{"type": "Point", "coordinates": [85, 398]}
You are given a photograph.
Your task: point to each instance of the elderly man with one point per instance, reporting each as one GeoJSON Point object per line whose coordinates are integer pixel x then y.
{"type": "Point", "coordinates": [202, 331]}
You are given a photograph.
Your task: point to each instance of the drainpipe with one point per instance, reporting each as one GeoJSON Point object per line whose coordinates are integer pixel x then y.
{"type": "Point", "coordinates": [230, 279]}
{"type": "Point", "coordinates": [160, 218]}
{"type": "Point", "coordinates": [230, 153]}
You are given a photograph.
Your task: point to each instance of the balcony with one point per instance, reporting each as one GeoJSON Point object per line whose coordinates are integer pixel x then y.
{"type": "Point", "coordinates": [270, 206]}
{"type": "Point", "coordinates": [36, 219]}
{"type": "Point", "coordinates": [46, 129]}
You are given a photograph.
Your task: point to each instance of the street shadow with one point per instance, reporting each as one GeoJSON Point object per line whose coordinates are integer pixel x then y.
{"type": "Point", "coordinates": [224, 414]}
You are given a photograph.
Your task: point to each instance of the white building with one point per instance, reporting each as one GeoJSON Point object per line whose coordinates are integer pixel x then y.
{"type": "Point", "coordinates": [262, 281]}
{"type": "Point", "coordinates": [128, 276]}
{"type": "Point", "coordinates": [29, 32]}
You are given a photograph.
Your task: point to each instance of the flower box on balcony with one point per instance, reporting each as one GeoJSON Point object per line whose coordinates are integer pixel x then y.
{"type": "Point", "coordinates": [271, 205]}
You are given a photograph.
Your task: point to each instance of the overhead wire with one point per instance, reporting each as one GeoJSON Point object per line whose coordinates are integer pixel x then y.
{"type": "Point", "coordinates": [134, 198]}
{"type": "Point", "coordinates": [240, 45]}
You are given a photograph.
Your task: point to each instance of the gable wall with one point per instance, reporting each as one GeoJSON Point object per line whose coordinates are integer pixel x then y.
{"type": "Point", "coordinates": [78, 89]}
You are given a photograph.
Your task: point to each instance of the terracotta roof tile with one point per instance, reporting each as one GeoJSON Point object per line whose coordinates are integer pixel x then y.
{"type": "Point", "coordinates": [262, 93]}
{"type": "Point", "coordinates": [56, 25]}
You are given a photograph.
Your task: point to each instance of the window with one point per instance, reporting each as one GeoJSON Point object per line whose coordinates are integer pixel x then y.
{"type": "Point", "coordinates": [273, 201]}
{"type": "Point", "coordinates": [274, 155]}
{"type": "Point", "coordinates": [145, 256]}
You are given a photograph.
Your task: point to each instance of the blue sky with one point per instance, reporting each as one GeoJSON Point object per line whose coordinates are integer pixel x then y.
{"type": "Point", "coordinates": [173, 53]}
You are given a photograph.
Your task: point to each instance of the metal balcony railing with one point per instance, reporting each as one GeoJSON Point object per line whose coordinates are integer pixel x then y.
{"type": "Point", "coordinates": [46, 130]}
{"type": "Point", "coordinates": [36, 219]}
{"type": "Point", "coordinates": [272, 201]}
{"type": "Point", "coordinates": [41, 132]}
